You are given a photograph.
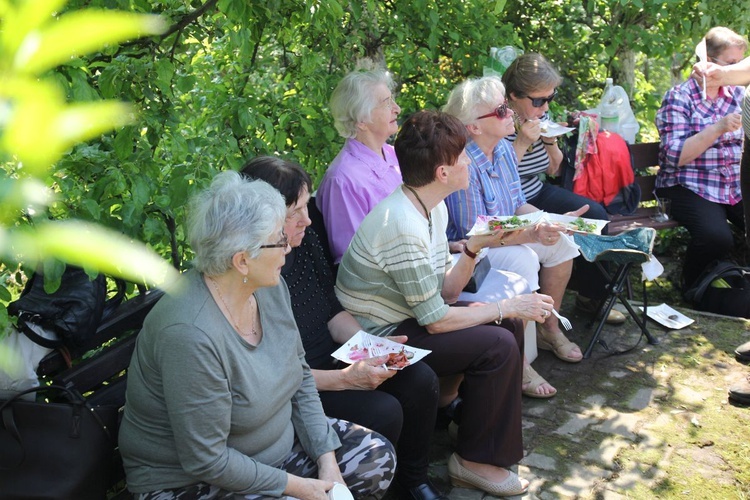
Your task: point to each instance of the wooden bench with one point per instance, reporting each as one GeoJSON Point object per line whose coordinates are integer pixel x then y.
{"type": "Point", "coordinates": [644, 158]}
{"type": "Point", "coordinates": [98, 369]}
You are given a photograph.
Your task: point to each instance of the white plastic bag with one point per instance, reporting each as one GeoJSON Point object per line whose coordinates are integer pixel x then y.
{"type": "Point", "coordinates": [627, 124]}
{"type": "Point", "coordinates": [19, 359]}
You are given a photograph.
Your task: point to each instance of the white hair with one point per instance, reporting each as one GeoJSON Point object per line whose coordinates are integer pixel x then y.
{"type": "Point", "coordinates": [233, 215]}
{"type": "Point", "coordinates": [353, 99]}
{"type": "Point", "coordinates": [471, 94]}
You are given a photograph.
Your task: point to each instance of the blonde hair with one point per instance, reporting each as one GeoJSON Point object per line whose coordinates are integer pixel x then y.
{"type": "Point", "coordinates": [530, 73]}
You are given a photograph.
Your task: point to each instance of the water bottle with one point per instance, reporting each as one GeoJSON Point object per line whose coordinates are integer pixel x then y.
{"type": "Point", "coordinates": [608, 108]}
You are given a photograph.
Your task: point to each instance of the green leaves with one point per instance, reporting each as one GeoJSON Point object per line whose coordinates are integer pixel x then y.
{"type": "Point", "coordinates": [54, 42]}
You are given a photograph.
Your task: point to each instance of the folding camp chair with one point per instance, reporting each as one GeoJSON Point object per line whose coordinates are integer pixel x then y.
{"type": "Point", "coordinates": [623, 251]}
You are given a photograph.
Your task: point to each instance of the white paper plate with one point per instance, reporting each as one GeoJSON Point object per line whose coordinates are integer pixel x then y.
{"type": "Point", "coordinates": [354, 349]}
{"type": "Point", "coordinates": [482, 225]}
{"type": "Point", "coordinates": [665, 315]}
{"type": "Point", "coordinates": [568, 221]}
{"type": "Point", "coordinates": [553, 129]}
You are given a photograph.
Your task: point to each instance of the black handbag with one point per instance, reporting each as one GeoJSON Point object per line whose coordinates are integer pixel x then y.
{"type": "Point", "coordinates": [73, 311]}
{"type": "Point", "coordinates": [477, 278]}
{"type": "Point", "coordinates": [55, 450]}
{"type": "Point", "coordinates": [730, 297]}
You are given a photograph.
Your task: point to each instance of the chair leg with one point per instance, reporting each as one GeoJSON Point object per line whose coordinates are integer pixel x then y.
{"type": "Point", "coordinates": [618, 285]}
{"type": "Point", "coordinates": [606, 304]}
{"type": "Point", "coordinates": [604, 312]}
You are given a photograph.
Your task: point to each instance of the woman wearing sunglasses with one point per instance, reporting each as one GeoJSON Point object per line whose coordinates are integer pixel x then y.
{"type": "Point", "coordinates": [531, 84]}
{"type": "Point", "coordinates": [495, 190]}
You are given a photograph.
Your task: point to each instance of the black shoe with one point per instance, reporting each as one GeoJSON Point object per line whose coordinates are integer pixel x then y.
{"type": "Point", "coordinates": [425, 491]}
{"type": "Point", "coordinates": [450, 413]}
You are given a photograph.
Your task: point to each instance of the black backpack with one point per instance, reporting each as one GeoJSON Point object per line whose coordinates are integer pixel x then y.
{"type": "Point", "coordinates": [73, 311]}
{"type": "Point", "coordinates": [731, 301]}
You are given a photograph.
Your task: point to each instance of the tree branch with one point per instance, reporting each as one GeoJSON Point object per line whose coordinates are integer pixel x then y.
{"type": "Point", "coordinates": [189, 18]}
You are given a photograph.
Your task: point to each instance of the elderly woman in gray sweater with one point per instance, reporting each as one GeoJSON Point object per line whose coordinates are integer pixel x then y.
{"type": "Point", "coordinates": [220, 400]}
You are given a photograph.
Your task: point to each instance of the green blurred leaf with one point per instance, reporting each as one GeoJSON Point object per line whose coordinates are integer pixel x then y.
{"type": "Point", "coordinates": [79, 33]}
{"type": "Point", "coordinates": [24, 19]}
{"type": "Point", "coordinates": [95, 248]}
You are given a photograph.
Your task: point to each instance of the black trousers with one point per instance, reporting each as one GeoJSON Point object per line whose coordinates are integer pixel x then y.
{"type": "Point", "coordinates": [745, 182]}
{"type": "Point", "coordinates": [403, 409]}
{"type": "Point", "coordinates": [711, 237]}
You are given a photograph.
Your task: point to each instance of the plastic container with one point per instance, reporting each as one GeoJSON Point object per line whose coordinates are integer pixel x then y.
{"type": "Point", "coordinates": [499, 60]}
{"type": "Point", "coordinates": [609, 108]}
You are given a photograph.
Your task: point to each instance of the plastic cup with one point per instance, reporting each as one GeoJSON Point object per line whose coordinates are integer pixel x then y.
{"type": "Point", "coordinates": [663, 210]}
{"type": "Point", "coordinates": [628, 131]}
{"type": "Point", "coordinates": [340, 492]}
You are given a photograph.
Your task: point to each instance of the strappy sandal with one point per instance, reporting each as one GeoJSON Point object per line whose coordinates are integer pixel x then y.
{"type": "Point", "coordinates": [531, 381]}
{"type": "Point", "coordinates": [558, 344]}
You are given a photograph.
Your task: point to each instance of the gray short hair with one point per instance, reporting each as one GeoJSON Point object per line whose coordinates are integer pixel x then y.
{"type": "Point", "coordinates": [470, 94]}
{"type": "Point", "coordinates": [353, 99]}
{"type": "Point", "coordinates": [233, 215]}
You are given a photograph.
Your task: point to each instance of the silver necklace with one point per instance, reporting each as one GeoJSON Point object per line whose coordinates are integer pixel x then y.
{"type": "Point", "coordinates": [253, 332]}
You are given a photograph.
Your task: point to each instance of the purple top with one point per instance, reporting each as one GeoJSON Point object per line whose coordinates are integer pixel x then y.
{"type": "Point", "coordinates": [714, 175]}
{"type": "Point", "coordinates": [356, 181]}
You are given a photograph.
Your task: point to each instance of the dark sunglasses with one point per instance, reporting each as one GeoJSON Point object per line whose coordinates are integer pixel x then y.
{"type": "Point", "coordinates": [283, 242]}
{"type": "Point", "coordinates": [538, 102]}
{"type": "Point", "coordinates": [500, 112]}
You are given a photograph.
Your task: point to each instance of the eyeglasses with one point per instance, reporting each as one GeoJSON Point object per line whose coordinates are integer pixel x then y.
{"type": "Point", "coordinates": [538, 102]}
{"type": "Point", "coordinates": [721, 63]}
{"type": "Point", "coordinates": [283, 243]}
{"type": "Point", "coordinates": [500, 112]}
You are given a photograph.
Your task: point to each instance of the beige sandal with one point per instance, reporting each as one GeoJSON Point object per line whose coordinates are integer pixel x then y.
{"type": "Point", "coordinates": [559, 345]}
{"type": "Point", "coordinates": [531, 381]}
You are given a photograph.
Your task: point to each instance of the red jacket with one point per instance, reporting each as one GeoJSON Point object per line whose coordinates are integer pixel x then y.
{"type": "Point", "coordinates": [606, 172]}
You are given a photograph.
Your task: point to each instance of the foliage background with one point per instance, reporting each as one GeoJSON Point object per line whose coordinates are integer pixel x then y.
{"type": "Point", "coordinates": [232, 79]}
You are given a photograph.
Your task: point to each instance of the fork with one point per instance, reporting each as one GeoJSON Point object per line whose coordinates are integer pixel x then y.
{"type": "Point", "coordinates": [565, 321]}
